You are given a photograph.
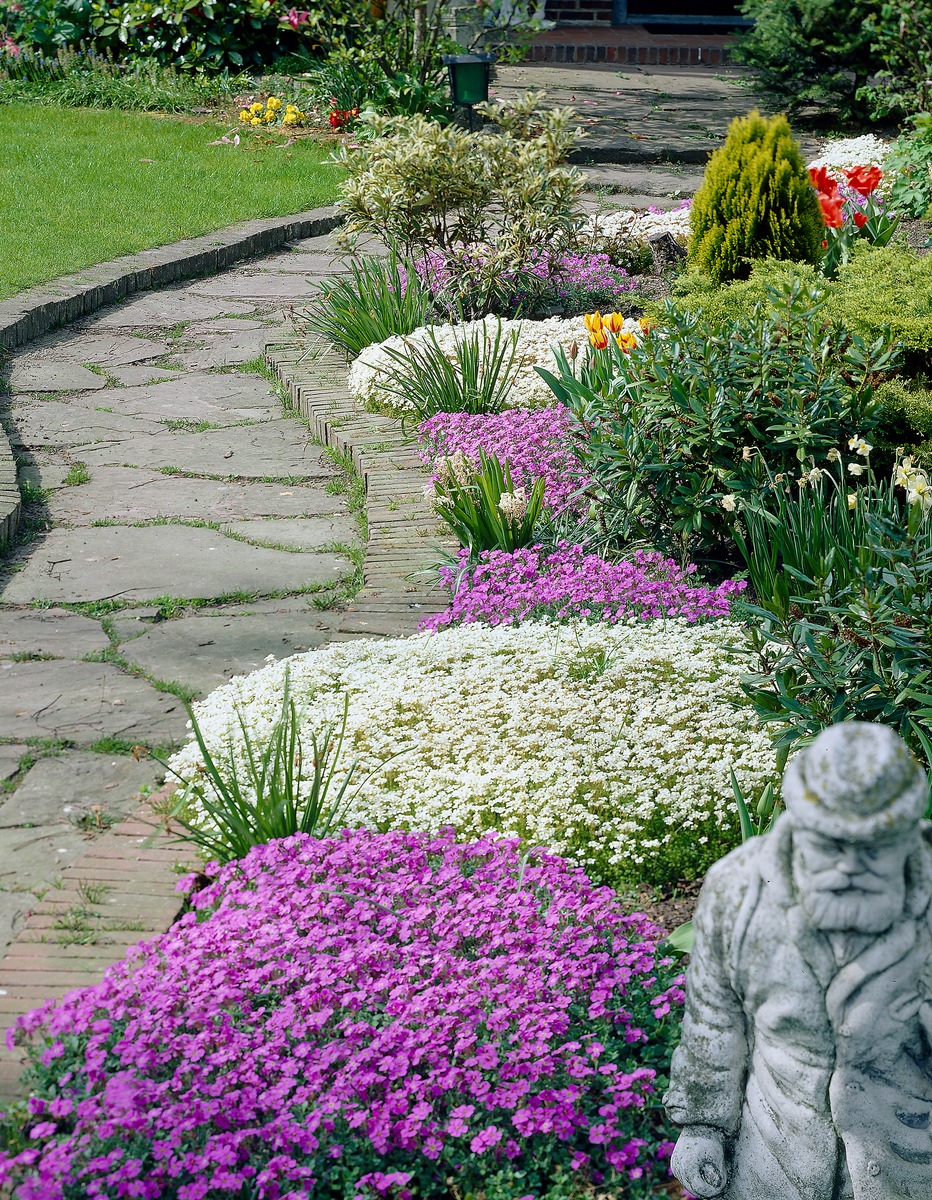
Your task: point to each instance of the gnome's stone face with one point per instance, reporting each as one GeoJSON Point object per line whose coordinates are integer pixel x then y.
{"type": "Point", "coordinates": [851, 886]}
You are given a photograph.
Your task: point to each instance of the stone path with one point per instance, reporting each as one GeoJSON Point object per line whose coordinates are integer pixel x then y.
{"type": "Point", "coordinates": [183, 525]}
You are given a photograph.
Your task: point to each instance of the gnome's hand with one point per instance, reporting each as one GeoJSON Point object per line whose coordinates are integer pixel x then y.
{"type": "Point", "coordinates": [699, 1161]}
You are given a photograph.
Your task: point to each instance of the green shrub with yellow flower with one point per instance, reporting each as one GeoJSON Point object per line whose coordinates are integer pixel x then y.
{"type": "Point", "coordinates": [271, 113]}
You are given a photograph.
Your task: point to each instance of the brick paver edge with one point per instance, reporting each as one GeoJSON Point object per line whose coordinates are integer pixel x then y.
{"type": "Point", "coordinates": [39, 310]}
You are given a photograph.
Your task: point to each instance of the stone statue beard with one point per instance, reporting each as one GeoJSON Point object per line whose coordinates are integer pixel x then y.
{"type": "Point", "coordinates": [833, 902]}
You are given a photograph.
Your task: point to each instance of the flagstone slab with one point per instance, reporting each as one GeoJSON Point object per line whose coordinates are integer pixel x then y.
{"type": "Point", "coordinates": [227, 350]}
{"type": "Point", "coordinates": [273, 450]}
{"type": "Point", "coordinates": [306, 263]}
{"type": "Point", "coordinates": [42, 470]}
{"type": "Point", "coordinates": [228, 325]}
{"type": "Point", "coordinates": [129, 494]}
{"type": "Point", "coordinates": [307, 534]}
{"type": "Point", "coordinates": [34, 859]}
{"type": "Point", "coordinates": [103, 349]}
{"type": "Point", "coordinates": [52, 631]}
{"type": "Point", "coordinates": [47, 376]}
{"type": "Point", "coordinates": [58, 790]}
{"type": "Point", "coordinates": [75, 423]}
{"type": "Point", "coordinates": [219, 399]}
{"type": "Point", "coordinates": [83, 702]}
{"type": "Point", "coordinates": [259, 285]}
{"type": "Point", "coordinates": [138, 376]}
{"type": "Point", "coordinates": [11, 755]}
{"type": "Point", "coordinates": [165, 309]}
{"type": "Point", "coordinates": [133, 564]}
{"type": "Point", "coordinates": [205, 651]}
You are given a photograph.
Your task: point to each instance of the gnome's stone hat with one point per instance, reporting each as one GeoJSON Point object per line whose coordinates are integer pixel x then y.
{"type": "Point", "coordinates": [857, 781]}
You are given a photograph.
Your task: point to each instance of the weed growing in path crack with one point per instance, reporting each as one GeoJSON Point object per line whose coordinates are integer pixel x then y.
{"type": "Point", "coordinates": [77, 474]}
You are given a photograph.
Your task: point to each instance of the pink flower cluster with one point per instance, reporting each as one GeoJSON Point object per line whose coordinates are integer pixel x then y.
{"type": "Point", "coordinates": [533, 443]}
{"type": "Point", "coordinates": [567, 583]}
{"type": "Point", "coordinates": [366, 1015]}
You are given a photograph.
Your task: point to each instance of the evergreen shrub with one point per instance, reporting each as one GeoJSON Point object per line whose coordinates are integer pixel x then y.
{"type": "Point", "coordinates": [756, 201]}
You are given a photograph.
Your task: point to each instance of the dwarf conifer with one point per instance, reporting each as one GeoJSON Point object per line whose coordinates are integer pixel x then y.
{"type": "Point", "coordinates": [756, 201]}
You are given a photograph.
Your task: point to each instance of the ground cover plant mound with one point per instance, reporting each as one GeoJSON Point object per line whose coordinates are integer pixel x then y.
{"type": "Point", "coordinates": [610, 744]}
{"type": "Point", "coordinates": [373, 1015]}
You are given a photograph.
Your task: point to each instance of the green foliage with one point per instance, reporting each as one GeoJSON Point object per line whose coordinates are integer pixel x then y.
{"type": "Point", "coordinates": [756, 201]}
{"type": "Point", "coordinates": [909, 160]}
{"type": "Point", "coordinates": [45, 25]}
{"type": "Point", "coordinates": [83, 79]}
{"type": "Point", "coordinates": [374, 301]}
{"type": "Point", "coordinates": [906, 416]}
{"type": "Point", "coordinates": [679, 429]}
{"type": "Point", "coordinates": [842, 626]}
{"type": "Point", "coordinates": [477, 379]}
{"type": "Point", "coordinates": [423, 186]}
{"type": "Point", "coordinates": [807, 51]}
{"type": "Point", "coordinates": [268, 795]}
{"type": "Point", "coordinates": [356, 78]}
{"type": "Point", "coordinates": [483, 508]}
{"type": "Point", "coordinates": [696, 293]}
{"type": "Point", "coordinates": [902, 42]}
{"type": "Point", "coordinates": [887, 287]}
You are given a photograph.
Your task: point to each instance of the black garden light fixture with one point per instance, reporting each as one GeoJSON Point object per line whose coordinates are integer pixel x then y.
{"type": "Point", "coordinates": [469, 79]}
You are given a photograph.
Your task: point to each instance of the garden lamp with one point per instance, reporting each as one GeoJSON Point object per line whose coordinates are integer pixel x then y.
{"type": "Point", "coordinates": [469, 79]}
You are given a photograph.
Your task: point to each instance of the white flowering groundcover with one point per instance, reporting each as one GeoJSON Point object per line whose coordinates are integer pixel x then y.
{"type": "Point", "coordinates": [609, 744]}
{"type": "Point", "coordinates": [536, 339]}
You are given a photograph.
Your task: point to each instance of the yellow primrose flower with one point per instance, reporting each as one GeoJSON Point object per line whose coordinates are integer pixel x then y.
{"type": "Point", "coordinates": [289, 119]}
{"type": "Point", "coordinates": [273, 103]}
{"type": "Point", "coordinates": [244, 115]}
{"type": "Point", "coordinates": [256, 121]}
{"type": "Point", "coordinates": [256, 108]}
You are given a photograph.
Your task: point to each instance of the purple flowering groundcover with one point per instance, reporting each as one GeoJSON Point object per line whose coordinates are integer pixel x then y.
{"type": "Point", "coordinates": [371, 1015]}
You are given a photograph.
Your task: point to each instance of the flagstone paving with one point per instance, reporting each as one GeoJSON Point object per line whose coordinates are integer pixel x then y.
{"type": "Point", "coordinates": [171, 492]}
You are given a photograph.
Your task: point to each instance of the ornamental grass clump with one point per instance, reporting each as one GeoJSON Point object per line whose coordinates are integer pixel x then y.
{"type": "Point", "coordinates": [373, 1015]}
{"type": "Point", "coordinates": [756, 201]}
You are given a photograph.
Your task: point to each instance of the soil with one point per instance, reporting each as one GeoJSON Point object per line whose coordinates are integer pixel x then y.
{"type": "Point", "coordinates": [671, 905]}
{"type": "Point", "coordinates": [918, 235]}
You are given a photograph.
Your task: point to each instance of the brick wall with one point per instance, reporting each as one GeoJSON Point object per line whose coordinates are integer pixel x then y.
{"type": "Point", "coordinates": [579, 12]}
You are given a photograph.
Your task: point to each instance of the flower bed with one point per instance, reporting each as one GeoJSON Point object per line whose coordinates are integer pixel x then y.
{"type": "Point", "coordinates": [840, 154]}
{"type": "Point", "coordinates": [608, 743]}
{"type": "Point", "coordinates": [371, 1015]}
{"type": "Point", "coordinates": [535, 339]}
{"type": "Point", "coordinates": [568, 584]}
{"type": "Point", "coordinates": [534, 444]}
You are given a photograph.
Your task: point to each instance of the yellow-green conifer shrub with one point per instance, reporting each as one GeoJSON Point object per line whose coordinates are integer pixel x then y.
{"type": "Point", "coordinates": [756, 201]}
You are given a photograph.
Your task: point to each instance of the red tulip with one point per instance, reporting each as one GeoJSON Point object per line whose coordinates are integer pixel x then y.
{"type": "Point", "coordinates": [864, 180]}
{"type": "Point", "coordinates": [832, 210]}
{"type": "Point", "coordinates": [822, 181]}
{"type": "Point", "coordinates": [860, 219]}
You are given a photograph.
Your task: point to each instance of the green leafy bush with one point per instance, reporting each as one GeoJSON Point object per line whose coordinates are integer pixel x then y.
{"type": "Point", "coordinates": [355, 78]}
{"type": "Point", "coordinates": [809, 51]}
{"type": "Point", "coordinates": [45, 25]}
{"type": "Point", "coordinates": [756, 201]}
{"type": "Point", "coordinates": [906, 416]}
{"type": "Point", "coordinates": [674, 432]}
{"type": "Point", "coordinates": [887, 287]}
{"type": "Point", "coordinates": [378, 298]}
{"type": "Point", "coordinates": [909, 160]}
{"type": "Point", "coordinates": [843, 619]}
{"type": "Point", "coordinates": [425, 187]}
{"type": "Point", "coordinates": [901, 35]}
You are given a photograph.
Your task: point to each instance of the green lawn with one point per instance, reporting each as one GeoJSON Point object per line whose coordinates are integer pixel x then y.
{"type": "Point", "coordinates": [75, 188]}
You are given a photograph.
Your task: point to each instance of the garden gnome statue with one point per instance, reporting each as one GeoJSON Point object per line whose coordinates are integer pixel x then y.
{"type": "Point", "coordinates": [805, 1067]}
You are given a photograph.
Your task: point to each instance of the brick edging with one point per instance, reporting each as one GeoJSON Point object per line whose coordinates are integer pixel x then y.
{"type": "Point", "coordinates": [403, 534]}
{"type": "Point", "coordinates": [134, 862]}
